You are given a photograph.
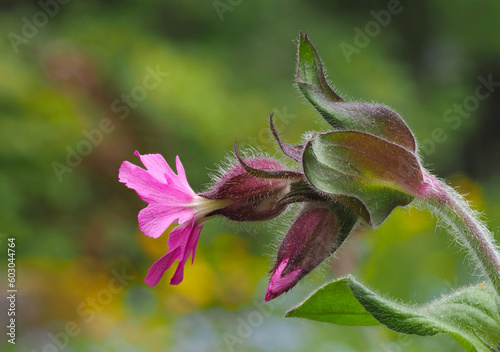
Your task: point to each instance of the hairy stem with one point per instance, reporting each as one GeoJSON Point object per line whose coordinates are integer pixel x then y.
{"type": "Point", "coordinates": [468, 229]}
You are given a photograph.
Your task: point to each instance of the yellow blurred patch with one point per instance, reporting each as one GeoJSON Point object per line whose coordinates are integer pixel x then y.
{"type": "Point", "coordinates": [470, 190]}
{"type": "Point", "coordinates": [403, 224]}
{"type": "Point", "coordinates": [238, 270]}
{"type": "Point", "coordinates": [224, 273]}
{"type": "Point", "coordinates": [195, 291]}
{"type": "Point", "coordinates": [154, 247]}
{"type": "Point", "coordinates": [78, 290]}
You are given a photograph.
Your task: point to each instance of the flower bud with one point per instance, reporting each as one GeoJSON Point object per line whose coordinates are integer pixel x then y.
{"type": "Point", "coordinates": [310, 240]}
{"type": "Point", "coordinates": [252, 198]}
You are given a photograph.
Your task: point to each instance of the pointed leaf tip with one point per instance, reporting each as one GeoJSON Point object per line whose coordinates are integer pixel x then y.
{"type": "Point", "coordinates": [278, 174]}
{"type": "Point", "coordinates": [334, 303]}
{"type": "Point", "coordinates": [310, 75]}
{"type": "Point", "coordinates": [292, 151]}
{"type": "Point", "coordinates": [376, 119]}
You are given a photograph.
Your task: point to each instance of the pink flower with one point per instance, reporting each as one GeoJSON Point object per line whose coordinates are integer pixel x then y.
{"type": "Point", "coordinates": [237, 196]}
{"type": "Point", "coordinates": [169, 198]}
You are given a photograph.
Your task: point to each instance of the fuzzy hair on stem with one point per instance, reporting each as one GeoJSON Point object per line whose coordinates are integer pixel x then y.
{"type": "Point", "coordinates": [466, 228]}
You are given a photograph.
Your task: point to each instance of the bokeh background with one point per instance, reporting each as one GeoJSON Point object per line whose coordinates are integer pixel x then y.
{"type": "Point", "coordinates": [67, 69]}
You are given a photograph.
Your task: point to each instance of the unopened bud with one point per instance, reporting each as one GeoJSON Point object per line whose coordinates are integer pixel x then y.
{"type": "Point", "coordinates": [309, 241]}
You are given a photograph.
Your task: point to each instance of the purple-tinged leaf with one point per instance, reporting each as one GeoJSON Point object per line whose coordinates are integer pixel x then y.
{"type": "Point", "coordinates": [375, 119]}
{"type": "Point", "coordinates": [377, 174]}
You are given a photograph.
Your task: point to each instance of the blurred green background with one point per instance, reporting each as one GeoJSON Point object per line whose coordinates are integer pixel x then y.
{"type": "Point", "coordinates": [68, 69]}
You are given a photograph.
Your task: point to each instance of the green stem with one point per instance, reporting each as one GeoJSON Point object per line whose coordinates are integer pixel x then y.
{"type": "Point", "coordinates": [469, 230]}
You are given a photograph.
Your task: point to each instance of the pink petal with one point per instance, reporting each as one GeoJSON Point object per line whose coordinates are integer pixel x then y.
{"type": "Point", "coordinates": [169, 195]}
{"type": "Point", "coordinates": [157, 270]}
{"type": "Point", "coordinates": [156, 165]}
{"type": "Point", "coordinates": [182, 243]}
{"type": "Point", "coordinates": [279, 283]}
{"type": "Point", "coordinates": [142, 181]}
{"type": "Point", "coordinates": [187, 240]}
{"type": "Point", "coordinates": [156, 218]}
{"type": "Point", "coordinates": [159, 169]}
{"type": "Point", "coordinates": [181, 179]}
{"type": "Point", "coordinates": [159, 183]}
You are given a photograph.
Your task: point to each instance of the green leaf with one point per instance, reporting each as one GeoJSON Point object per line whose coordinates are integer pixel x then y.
{"type": "Point", "coordinates": [471, 316]}
{"type": "Point", "coordinates": [377, 175]}
{"type": "Point", "coordinates": [376, 119]}
{"type": "Point", "coordinates": [334, 303]}
{"type": "Point", "coordinates": [310, 75]}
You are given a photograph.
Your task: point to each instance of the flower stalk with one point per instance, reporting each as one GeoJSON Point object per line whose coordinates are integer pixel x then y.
{"type": "Point", "coordinates": [468, 230]}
